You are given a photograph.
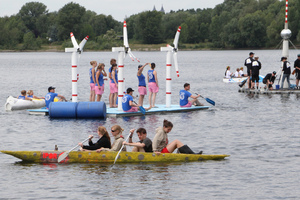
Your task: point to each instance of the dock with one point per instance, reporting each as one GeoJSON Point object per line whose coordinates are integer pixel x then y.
{"type": "Point", "coordinates": [274, 91]}
{"type": "Point", "coordinates": [114, 112]}
{"type": "Point", "coordinates": [159, 109]}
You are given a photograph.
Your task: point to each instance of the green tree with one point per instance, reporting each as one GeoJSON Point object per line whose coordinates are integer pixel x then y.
{"type": "Point", "coordinates": [34, 16]}
{"type": "Point", "coordinates": [149, 25]}
{"type": "Point", "coordinates": [70, 19]}
{"type": "Point", "coordinates": [30, 42]}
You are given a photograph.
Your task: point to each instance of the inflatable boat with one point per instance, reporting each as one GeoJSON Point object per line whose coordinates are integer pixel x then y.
{"type": "Point", "coordinates": [13, 103]}
{"type": "Point", "coordinates": [238, 80]}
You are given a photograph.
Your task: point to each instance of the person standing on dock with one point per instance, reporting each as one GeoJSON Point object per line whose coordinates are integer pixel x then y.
{"type": "Point", "coordinates": [256, 66]}
{"type": "Point", "coordinates": [297, 68]}
{"type": "Point", "coordinates": [153, 85]}
{"type": "Point", "coordinates": [112, 61]}
{"type": "Point", "coordinates": [144, 145]}
{"type": "Point", "coordinates": [142, 83]}
{"type": "Point", "coordinates": [248, 64]}
{"type": "Point", "coordinates": [92, 80]}
{"type": "Point", "coordinates": [113, 85]}
{"type": "Point", "coordinates": [99, 86]}
{"type": "Point", "coordinates": [184, 96]}
{"type": "Point", "coordinates": [51, 95]}
{"type": "Point", "coordinates": [286, 68]}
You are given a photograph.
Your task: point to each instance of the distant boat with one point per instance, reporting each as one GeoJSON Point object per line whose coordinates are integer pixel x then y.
{"type": "Point", "coordinates": [239, 80]}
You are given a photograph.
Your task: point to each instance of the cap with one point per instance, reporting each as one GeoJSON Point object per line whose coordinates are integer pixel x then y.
{"type": "Point", "coordinates": [129, 90]}
{"type": "Point", "coordinates": [140, 66]}
{"type": "Point", "coordinates": [274, 72]}
{"type": "Point", "coordinates": [256, 56]}
{"type": "Point", "coordinates": [298, 55]}
{"type": "Point", "coordinates": [50, 88]}
{"type": "Point", "coordinates": [283, 58]}
{"type": "Point", "coordinates": [251, 53]}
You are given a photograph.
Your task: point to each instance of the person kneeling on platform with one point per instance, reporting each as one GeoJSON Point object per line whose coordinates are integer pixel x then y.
{"type": "Point", "coordinates": [269, 80]}
{"type": "Point", "coordinates": [184, 96]}
{"type": "Point", "coordinates": [160, 141]}
{"type": "Point", "coordinates": [127, 102]}
{"type": "Point", "coordinates": [144, 145]}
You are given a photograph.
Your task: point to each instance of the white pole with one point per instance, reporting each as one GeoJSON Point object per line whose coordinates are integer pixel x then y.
{"type": "Point", "coordinates": [168, 79]}
{"type": "Point", "coordinates": [74, 76]}
{"type": "Point", "coordinates": [120, 78]}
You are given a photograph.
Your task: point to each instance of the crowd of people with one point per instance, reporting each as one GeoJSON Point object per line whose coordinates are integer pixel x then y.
{"type": "Point", "coordinates": [253, 66]}
{"type": "Point", "coordinates": [160, 143]}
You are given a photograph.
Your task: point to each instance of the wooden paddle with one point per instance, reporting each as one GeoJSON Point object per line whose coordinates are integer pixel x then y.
{"type": "Point", "coordinates": [207, 99]}
{"type": "Point", "coordinates": [65, 154]}
{"type": "Point", "coordinates": [121, 149]}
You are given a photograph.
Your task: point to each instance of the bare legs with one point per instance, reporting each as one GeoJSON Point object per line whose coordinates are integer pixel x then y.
{"type": "Point", "coordinates": [174, 145]}
{"type": "Point", "coordinates": [99, 97]}
{"type": "Point", "coordinates": [92, 95]}
{"type": "Point", "coordinates": [113, 100]}
{"type": "Point", "coordinates": [152, 97]}
{"type": "Point", "coordinates": [141, 100]}
{"type": "Point", "coordinates": [138, 149]}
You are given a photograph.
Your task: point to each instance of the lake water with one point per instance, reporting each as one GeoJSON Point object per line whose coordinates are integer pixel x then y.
{"type": "Point", "coordinates": [259, 132]}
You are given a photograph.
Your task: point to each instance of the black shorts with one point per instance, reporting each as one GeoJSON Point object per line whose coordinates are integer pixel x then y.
{"type": "Point", "coordinates": [255, 78]}
{"type": "Point", "coordinates": [297, 75]}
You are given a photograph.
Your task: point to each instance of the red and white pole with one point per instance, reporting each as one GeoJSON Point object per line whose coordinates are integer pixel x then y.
{"type": "Point", "coordinates": [74, 76]}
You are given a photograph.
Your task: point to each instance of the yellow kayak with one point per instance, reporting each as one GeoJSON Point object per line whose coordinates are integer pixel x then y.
{"type": "Point", "coordinates": [108, 157]}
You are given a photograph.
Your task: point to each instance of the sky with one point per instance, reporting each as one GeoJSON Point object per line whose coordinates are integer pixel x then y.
{"type": "Point", "coordinates": [118, 9]}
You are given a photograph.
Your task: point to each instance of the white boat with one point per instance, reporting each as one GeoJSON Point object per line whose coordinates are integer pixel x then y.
{"type": "Point", "coordinates": [13, 103]}
{"type": "Point", "coordinates": [239, 80]}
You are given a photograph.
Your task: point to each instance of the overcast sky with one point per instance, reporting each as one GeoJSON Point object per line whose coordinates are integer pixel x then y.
{"type": "Point", "coordinates": [118, 9]}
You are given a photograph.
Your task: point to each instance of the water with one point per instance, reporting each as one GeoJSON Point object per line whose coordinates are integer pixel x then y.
{"type": "Point", "coordinates": [259, 132]}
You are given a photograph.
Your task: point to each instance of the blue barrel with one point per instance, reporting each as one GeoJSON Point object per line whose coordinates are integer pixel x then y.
{"type": "Point", "coordinates": [91, 110]}
{"type": "Point", "coordinates": [62, 109]}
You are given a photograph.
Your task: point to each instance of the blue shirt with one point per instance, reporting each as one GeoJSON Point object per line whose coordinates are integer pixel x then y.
{"type": "Point", "coordinates": [91, 76]}
{"type": "Point", "coordinates": [184, 96]}
{"type": "Point", "coordinates": [100, 79]}
{"type": "Point", "coordinates": [30, 96]}
{"type": "Point", "coordinates": [142, 81]}
{"type": "Point", "coordinates": [50, 98]}
{"type": "Point", "coordinates": [151, 76]}
{"type": "Point", "coordinates": [116, 77]}
{"type": "Point", "coordinates": [21, 97]}
{"type": "Point", "coordinates": [125, 102]}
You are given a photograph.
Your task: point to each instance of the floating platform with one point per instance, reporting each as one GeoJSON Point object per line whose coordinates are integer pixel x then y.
{"type": "Point", "coordinates": [114, 112]}
{"type": "Point", "coordinates": [159, 109]}
{"type": "Point", "coordinates": [274, 91]}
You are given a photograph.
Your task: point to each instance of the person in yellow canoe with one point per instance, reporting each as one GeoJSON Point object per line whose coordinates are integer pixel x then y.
{"type": "Point", "coordinates": [116, 131]}
{"type": "Point", "coordinates": [104, 140]}
{"type": "Point", "coordinates": [144, 145]}
{"type": "Point", "coordinates": [161, 142]}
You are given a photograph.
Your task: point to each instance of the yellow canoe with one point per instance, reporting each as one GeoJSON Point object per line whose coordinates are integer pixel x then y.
{"type": "Point", "coordinates": [108, 157]}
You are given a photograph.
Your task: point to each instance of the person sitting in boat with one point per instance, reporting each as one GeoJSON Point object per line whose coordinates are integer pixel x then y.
{"type": "Point", "coordinates": [237, 73]}
{"type": "Point", "coordinates": [184, 96]}
{"type": "Point", "coordinates": [104, 140]}
{"type": "Point", "coordinates": [127, 102]}
{"type": "Point", "coordinates": [23, 96]}
{"type": "Point", "coordinates": [161, 144]}
{"type": "Point", "coordinates": [256, 66]}
{"type": "Point", "coordinates": [144, 145]}
{"type": "Point", "coordinates": [269, 80]}
{"type": "Point", "coordinates": [241, 72]}
{"type": "Point", "coordinates": [228, 74]}
{"type": "Point", "coordinates": [31, 95]}
{"type": "Point", "coordinates": [51, 95]}
{"type": "Point", "coordinates": [142, 83]}
{"type": "Point", "coordinates": [116, 131]}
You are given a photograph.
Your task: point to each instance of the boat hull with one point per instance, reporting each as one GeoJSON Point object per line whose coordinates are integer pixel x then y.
{"type": "Point", "coordinates": [108, 157]}
{"type": "Point", "coordinates": [238, 80]}
{"type": "Point", "coordinates": [13, 103]}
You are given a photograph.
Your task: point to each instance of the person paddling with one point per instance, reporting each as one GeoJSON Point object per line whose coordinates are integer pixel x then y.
{"type": "Point", "coordinates": [104, 140]}
{"type": "Point", "coordinates": [161, 142]}
{"type": "Point", "coordinates": [144, 145]}
{"type": "Point", "coordinates": [116, 131]}
{"type": "Point", "coordinates": [184, 96]}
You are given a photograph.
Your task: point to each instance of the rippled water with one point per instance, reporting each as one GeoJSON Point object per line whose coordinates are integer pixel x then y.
{"type": "Point", "coordinates": [258, 131]}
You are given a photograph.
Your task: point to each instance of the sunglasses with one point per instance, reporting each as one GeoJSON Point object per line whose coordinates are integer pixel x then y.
{"type": "Point", "coordinates": [113, 130]}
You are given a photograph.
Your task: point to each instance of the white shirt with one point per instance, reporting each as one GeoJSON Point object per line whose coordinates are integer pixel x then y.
{"type": "Point", "coordinates": [228, 74]}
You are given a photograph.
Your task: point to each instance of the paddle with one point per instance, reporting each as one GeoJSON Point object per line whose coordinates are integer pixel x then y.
{"type": "Point", "coordinates": [65, 154]}
{"type": "Point", "coordinates": [142, 109]}
{"type": "Point", "coordinates": [121, 149]}
{"type": "Point", "coordinates": [243, 82]}
{"type": "Point", "coordinates": [207, 99]}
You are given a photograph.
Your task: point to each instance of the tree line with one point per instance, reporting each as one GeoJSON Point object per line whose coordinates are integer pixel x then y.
{"type": "Point", "coordinates": [232, 24]}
